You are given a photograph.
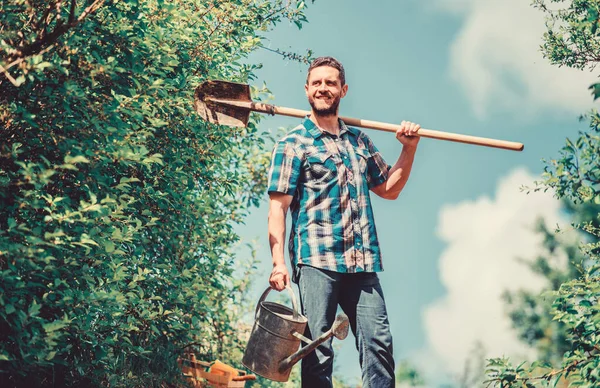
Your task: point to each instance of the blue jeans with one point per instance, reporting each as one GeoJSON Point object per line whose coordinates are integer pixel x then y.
{"type": "Point", "coordinates": [361, 298]}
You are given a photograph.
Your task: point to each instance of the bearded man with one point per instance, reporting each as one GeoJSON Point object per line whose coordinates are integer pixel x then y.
{"type": "Point", "coordinates": [323, 171]}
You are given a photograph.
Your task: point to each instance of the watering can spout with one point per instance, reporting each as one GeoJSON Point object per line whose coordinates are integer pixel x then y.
{"type": "Point", "coordinates": [339, 329]}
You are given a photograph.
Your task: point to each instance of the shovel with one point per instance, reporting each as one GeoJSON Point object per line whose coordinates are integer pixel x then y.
{"type": "Point", "coordinates": [229, 103]}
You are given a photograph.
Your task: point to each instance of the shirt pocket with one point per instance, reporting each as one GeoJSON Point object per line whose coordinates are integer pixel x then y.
{"type": "Point", "coordinates": [363, 158]}
{"type": "Point", "coordinates": [322, 166]}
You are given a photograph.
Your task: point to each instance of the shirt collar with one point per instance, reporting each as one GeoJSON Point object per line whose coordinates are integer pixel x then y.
{"type": "Point", "coordinates": [316, 132]}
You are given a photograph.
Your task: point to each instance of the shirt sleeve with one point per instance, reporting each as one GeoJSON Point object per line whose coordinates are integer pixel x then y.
{"type": "Point", "coordinates": [285, 169]}
{"type": "Point", "coordinates": [377, 167]}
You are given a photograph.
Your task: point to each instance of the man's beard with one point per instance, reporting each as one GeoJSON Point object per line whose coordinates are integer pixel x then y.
{"type": "Point", "coordinates": [325, 112]}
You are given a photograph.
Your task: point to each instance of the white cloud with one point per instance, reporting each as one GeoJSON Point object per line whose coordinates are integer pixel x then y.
{"type": "Point", "coordinates": [496, 59]}
{"type": "Point", "coordinates": [484, 238]}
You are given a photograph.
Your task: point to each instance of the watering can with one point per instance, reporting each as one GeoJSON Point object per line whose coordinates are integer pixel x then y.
{"type": "Point", "coordinates": [272, 349]}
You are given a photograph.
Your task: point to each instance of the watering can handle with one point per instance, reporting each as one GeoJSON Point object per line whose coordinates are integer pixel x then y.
{"type": "Point", "coordinates": [264, 296]}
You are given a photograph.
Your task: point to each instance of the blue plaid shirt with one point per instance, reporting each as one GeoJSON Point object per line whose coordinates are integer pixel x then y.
{"type": "Point", "coordinates": [329, 178]}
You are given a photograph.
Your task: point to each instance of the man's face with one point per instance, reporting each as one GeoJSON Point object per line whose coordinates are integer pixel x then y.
{"type": "Point", "coordinates": [324, 90]}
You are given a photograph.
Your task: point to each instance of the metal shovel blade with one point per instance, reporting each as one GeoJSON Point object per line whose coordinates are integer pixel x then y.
{"type": "Point", "coordinates": [222, 114]}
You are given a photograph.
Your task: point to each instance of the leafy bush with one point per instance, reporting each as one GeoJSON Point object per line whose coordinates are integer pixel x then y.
{"type": "Point", "coordinates": [573, 40]}
{"type": "Point", "coordinates": [117, 202]}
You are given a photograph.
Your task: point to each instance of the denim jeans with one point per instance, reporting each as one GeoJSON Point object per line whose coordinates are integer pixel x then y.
{"type": "Point", "coordinates": [361, 298]}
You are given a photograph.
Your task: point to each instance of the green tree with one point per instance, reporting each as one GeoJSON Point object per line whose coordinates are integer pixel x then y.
{"type": "Point", "coordinates": [572, 40]}
{"type": "Point", "coordinates": [408, 375]}
{"type": "Point", "coordinates": [118, 203]}
{"type": "Point", "coordinates": [531, 313]}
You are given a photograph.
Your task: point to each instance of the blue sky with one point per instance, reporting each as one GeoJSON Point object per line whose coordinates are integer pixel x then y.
{"type": "Point", "coordinates": [451, 239]}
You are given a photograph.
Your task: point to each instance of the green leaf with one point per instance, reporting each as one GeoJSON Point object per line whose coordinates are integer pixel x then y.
{"type": "Point", "coordinates": [88, 241]}
{"type": "Point", "coordinates": [54, 326]}
{"type": "Point", "coordinates": [585, 303]}
{"type": "Point", "coordinates": [34, 309]}
{"type": "Point", "coordinates": [76, 159]}
{"type": "Point", "coordinates": [109, 246]}
{"type": "Point", "coordinates": [595, 88]}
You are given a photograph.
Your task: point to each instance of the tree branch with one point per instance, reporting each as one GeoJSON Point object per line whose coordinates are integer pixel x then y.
{"type": "Point", "coordinates": [548, 375]}
{"type": "Point", "coordinates": [4, 70]}
{"type": "Point", "coordinates": [44, 16]}
{"type": "Point", "coordinates": [48, 40]}
{"type": "Point", "coordinates": [72, 12]}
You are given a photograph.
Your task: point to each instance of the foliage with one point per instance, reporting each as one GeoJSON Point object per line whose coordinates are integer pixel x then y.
{"type": "Point", "coordinates": [118, 202]}
{"type": "Point", "coordinates": [572, 40]}
{"type": "Point", "coordinates": [558, 262]}
{"type": "Point", "coordinates": [408, 375]}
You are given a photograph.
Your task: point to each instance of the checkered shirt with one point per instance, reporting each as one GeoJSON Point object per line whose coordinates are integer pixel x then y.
{"type": "Point", "coordinates": [329, 178]}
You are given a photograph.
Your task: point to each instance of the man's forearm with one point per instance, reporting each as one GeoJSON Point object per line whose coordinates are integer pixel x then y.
{"type": "Point", "coordinates": [278, 206]}
{"type": "Point", "coordinates": [398, 175]}
{"type": "Point", "coordinates": [277, 235]}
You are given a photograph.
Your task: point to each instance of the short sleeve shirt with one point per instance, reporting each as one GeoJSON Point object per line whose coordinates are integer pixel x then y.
{"type": "Point", "coordinates": [329, 178]}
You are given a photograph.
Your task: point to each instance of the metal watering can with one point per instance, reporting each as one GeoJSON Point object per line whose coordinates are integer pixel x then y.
{"type": "Point", "coordinates": [272, 349]}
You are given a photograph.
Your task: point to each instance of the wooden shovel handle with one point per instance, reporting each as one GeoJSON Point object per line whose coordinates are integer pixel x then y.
{"type": "Point", "coordinates": [430, 133]}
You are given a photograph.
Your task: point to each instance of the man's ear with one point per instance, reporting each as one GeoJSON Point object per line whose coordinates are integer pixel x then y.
{"type": "Point", "coordinates": [306, 89]}
{"type": "Point", "coordinates": [344, 90]}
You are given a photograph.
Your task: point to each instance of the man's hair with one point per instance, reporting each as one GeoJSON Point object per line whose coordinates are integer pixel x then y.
{"type": "Point", "coordinates": [328, 61]}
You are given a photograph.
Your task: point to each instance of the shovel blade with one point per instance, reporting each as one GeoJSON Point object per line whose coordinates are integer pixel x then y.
{"type": "Point", "coordinates": [221, 114]}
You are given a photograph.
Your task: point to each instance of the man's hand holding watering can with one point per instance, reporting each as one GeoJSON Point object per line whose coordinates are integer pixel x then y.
{"type": "Point", "coordinates": [280, 277]}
